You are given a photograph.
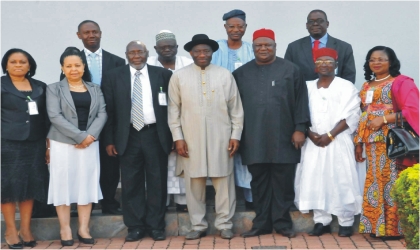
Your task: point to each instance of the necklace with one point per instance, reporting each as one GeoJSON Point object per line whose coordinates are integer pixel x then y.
{"type": "Point", "coordinates": [378, 80]}
{"type": "Point", "coordinates": [77, 87]}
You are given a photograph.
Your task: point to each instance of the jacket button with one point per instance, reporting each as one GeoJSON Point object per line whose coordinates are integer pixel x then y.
{"type": "Point", "coordinates": [27, 121]}
{"type": "Point", "coordinates": [27, 111]}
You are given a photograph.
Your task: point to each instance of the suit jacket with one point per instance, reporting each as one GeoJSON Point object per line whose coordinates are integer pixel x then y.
{"type": "Point", "coordinates": [116, 85]}
{"type": "Point", "coordinates": [300, 53]}
{"type": "Point", "coordinates": [109, 61]}
{"type": "Point", "coordinates": [16, 123]}
{"type": "Point", "coordinates": [62, 113]}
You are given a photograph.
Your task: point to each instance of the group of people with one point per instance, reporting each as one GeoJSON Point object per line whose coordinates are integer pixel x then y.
{"type": "Point", "coordinates": [289, 131]}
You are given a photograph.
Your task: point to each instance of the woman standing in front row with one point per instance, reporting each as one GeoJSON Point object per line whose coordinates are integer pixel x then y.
{"type": "Point", "coordinates": [382, 71]}
{"type": "Point", "coordinates": [76, 108]}
{"type": "Point", "coordinates": [24, 155]}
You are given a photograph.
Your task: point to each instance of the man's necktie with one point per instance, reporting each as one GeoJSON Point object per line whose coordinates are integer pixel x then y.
{"type": "Point", "coordinates": [137, 109]}
{"type": "Point", "coordinates": [94, 69]}
{"type": "Point", "coordinates": [316, 47]}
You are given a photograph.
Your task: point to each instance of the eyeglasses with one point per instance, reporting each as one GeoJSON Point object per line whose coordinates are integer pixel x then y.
{"type": "Point", "coordinates": [380, 60]}
{"type": "Point", "coordinates": [167, 47]}
{"type": "Point", "coordinates": [134, 53]}
{"type": "Point", "coordinates": [326, 62]}
{"type": "Point", "coordinates": [318, 21]}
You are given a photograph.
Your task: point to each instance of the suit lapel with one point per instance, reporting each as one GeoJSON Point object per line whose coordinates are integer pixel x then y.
{"type": "Point", "coordinates": [36, 89]}
{"type": "Point", "coordinates": [105, 61]}
{"type": "Point", "coordinates": [153, 78]}
{"type": "Point", "coordinates": [65, 93]}
{"type": "Point", "coordinates": [93, 94]}
{"type": "Point", "coordinates": [331, 42]}
{"type": "Point", "coordinates": [124, 86]}
{"type": "Point", "coordinates": [7, 84]}
{"type": "Point", "coordinates": [307, 51]}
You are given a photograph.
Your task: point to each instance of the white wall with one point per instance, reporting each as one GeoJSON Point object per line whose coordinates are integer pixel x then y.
{"type": "Point", "coordinates": [45, 29]}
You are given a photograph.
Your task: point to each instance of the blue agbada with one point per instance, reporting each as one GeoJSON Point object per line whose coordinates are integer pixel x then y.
{"type": "Point", "coordinates": [227, 57]}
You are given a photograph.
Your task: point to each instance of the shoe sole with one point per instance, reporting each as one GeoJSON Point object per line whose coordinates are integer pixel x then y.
{"type": "Point", "coordinates": [199, 236]}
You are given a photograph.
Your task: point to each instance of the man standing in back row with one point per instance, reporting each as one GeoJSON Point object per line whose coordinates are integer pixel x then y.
{"type": "Point", "coordinates": [99, 62]}
{"type": "Point", "coordinates": [301, 51]}
{"type": "Point", "coordinates": [276, 111]}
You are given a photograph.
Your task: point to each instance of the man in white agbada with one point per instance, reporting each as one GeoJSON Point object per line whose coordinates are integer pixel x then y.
{"type": "Point", "coordinates": [326, 178]}
{"type": "Point", "coordinates": [167, 48]}
{"type": "Point", "coordinates": [205, 116]}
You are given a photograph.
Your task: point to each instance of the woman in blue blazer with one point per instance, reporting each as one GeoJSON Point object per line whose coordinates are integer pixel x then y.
{"type": "Point", "coordinates": [76, 109]}
{"type": "Point", "coordinates": [24, 154]}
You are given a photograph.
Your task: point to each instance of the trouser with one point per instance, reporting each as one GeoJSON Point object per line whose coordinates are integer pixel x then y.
{"type": "Point", "coordinates": [320, 216]}
{"type": "Point", "coordinates": [109, 178]}
{"type": "Point", "coordinates": [273, 194]}
{"type": "Point", "coordinates": [144, 160]}
{"type": "Point", "coordinates": [225, 201]}
{"type": "Point", "coordinates": [180, 199]}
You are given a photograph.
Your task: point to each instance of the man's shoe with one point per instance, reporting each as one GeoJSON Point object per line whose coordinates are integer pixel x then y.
{"type": "Point", "coordinates": [255, 232]}
{"type": "Point", "coordinates": [134, 235]}
{"type": "Point", "coordinates": [226, 234]}
{"type": "Point", "coordinates": [193, 235]}
{"type": "Point", "coordinates": [320, 229]}
{"type": "Point", "coordinates": [157, 234]}
{"type": "Point", "coordinates": [114, 211]}
{"type": "Point", "coordinates": [345, 231]}
{"type": "Point", "coordinates": [287, 232]}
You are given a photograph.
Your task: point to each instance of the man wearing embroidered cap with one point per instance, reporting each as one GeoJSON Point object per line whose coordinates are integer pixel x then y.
{"type": "Point", "coordinates": [232, 54]}
{"type": "Point", "coordinates": [205, 116]}
{"type": "Point", "coordinates": [328, 154]}
{"type": "Point", "coordinates": [167, 48]}
{"type": "Point", "coordinates": [275, 103]}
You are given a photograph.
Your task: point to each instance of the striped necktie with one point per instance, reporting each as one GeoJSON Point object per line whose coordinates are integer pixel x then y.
{"type": "Point", "coordinates": [316, 47]}
{"type": "Point", "coordinates": [137, 109]}
{"type": "Point", "coordinates": [94, 69]}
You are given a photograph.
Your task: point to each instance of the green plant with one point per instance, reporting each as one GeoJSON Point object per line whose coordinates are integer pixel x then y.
{"type": "Point", "coordinates": [406, 194]}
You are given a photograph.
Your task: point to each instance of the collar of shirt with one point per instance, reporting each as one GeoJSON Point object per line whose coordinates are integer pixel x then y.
{"type": "Point", "coordinates": [322, 41]}
{"type": "Point", "coordinates": [88, 52]}
{"type": "Point", "coordinates": [144, 71]}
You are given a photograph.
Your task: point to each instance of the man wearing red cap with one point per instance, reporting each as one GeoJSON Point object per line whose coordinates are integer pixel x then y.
{"type": "Point", "coordinates": [301, 51]}
{"type": "Point", "coordinates": [328, 154]}
{"type": "Point", "coordinates": [275, 102]}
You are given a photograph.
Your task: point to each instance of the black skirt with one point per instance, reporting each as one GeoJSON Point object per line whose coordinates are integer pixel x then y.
{"type": "Point", "coordinates": [24, 173]}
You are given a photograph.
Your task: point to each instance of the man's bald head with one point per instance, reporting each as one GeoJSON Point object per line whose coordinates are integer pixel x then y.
{"type": "Point", "coordinates": [137, 54]}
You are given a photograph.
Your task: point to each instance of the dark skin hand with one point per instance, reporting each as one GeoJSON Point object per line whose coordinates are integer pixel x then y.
{"type": "Point", "coordinates": [182, 148]}
{"type": "Point", "coordinates": [298, 139]}
{"type": "Point", "coordinates": [324, 140]}
{"type": "Point", "coordinates": [111, 150]}
{"type": "Point", "coordinates": [233, 147]}
{"type": "Point", "coordinates": [358, 153]}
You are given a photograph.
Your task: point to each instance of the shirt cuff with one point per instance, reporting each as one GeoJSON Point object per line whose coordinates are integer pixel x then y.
{"type": "Point", "coordinates": [301, 127]}
{"type": "Point", "coordinates": [236, 134]}
{"type": "Point", "coordinates": [177, 134]}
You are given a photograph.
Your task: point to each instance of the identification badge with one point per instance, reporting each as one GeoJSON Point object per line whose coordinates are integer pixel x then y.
{"type": "Point", "coordinates": [369, 96]}
{"type": "Point", "coordinates": [162, 99]}
{"type": "Point", "coordinates": [237, 65]}
{"type": "Point", "coordinates": [33, 108]}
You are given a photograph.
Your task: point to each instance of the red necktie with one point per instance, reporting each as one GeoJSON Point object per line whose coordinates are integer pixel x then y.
{"type": "Point", "coordinates": [316, 47]}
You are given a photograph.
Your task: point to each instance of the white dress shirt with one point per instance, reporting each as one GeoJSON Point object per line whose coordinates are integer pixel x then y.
{"type": "Point", "coordinates": [148, 111]}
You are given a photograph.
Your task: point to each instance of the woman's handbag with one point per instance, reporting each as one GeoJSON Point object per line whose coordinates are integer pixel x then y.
{"type": "Point", "coordinates": [402, 141]}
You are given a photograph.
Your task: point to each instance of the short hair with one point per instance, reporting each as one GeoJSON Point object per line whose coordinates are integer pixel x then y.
{"type": "Point", "coordinates": [394, 63]}
{"type": "Point", "coordinates": [87, 21]}
{"type": "Point", "coordinates": [73, 51]}
{"type": "Point", "coordinates": [31, 61]}
{"type": "Point", "coordinates": [321, 11]}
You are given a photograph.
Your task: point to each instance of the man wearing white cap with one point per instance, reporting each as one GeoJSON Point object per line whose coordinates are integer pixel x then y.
{"type": "Point", "coordinates": [167, 48]}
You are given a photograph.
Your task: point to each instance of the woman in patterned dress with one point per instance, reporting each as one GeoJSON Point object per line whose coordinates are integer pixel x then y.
{"type": "Point", "coordinates": [379, 212]}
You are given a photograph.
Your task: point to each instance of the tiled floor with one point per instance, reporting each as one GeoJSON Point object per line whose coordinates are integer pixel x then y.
{"type": "Point", "coordinates": [270, 241]}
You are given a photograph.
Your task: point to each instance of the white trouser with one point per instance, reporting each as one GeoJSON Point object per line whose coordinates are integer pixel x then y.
{"type": "Point", "coordinates": [320, 216]}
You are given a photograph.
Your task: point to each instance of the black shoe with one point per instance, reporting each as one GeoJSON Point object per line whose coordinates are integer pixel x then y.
{"type": "Point", "coordinates": [134, 235]}
{"type": "Point", "coordinates": [67, 243]}
{"type": "Point", "coordinates": [391, 237]}
{"type": "Point", "coordinates": [85, 240]}
{"type": "Point", "coordinates": [181, 208]}
{"type": "Point", "coordinates": [287, 232]}
{"type": "Point", "coordinates": [249, 205]}
{"type": "Point", "coordinates": [31, 243]}
{"type": "Point", "coordinates": [115, 211]}
{"type": "Point", "coordinates": [14, 246]}
{"type": "Point", "coordinates": [373, 235]}
{"type": "Point", "coordinates": [193, 235]}
{"type": "Point", "coordinates": [255, 232]}
{"type": "Point", "coordinates": [320, 229]}
{"type": "Point", "coordinates": [345, 231]}
{"type": "Point", "coordinates": [157, 234]}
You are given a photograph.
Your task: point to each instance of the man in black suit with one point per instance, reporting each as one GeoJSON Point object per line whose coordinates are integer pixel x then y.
{"type": "Point", "coordinates": [137, 131]}
{"type": "Point", "coordinates": [99, 62]}
{"type": "Point", "coordinates": [300, 51]}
